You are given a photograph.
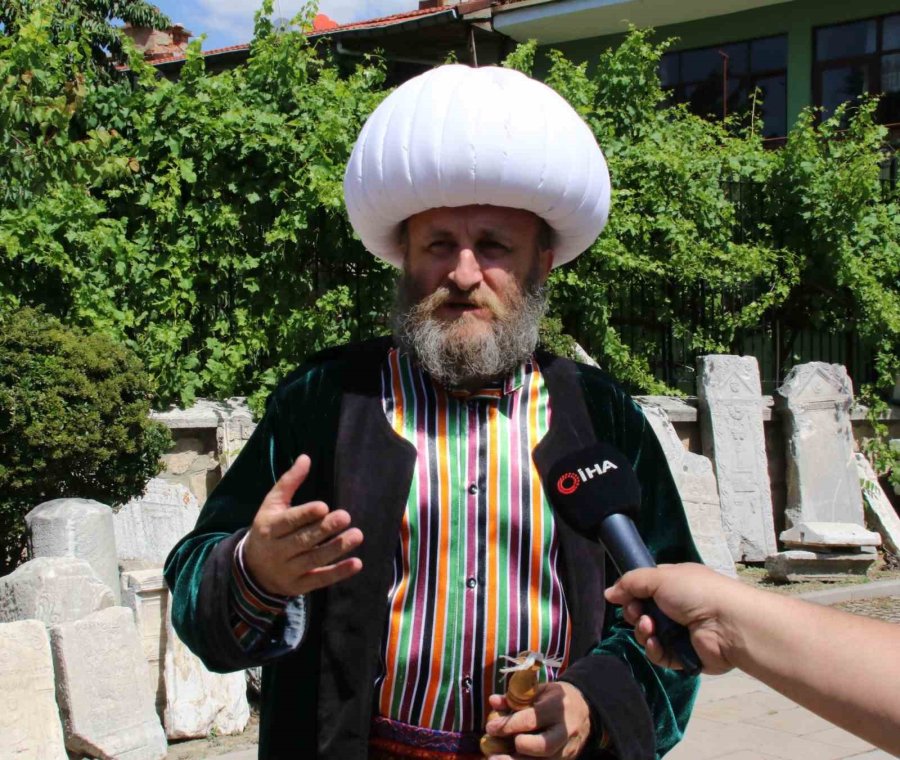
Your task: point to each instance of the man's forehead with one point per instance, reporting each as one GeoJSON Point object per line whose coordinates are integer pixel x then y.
{"type": "Point", "coordinates": [482, 219]}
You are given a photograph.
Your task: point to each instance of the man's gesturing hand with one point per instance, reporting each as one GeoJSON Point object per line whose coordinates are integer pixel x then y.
{"type": "Point", "coordinates": [556, 726]}
{"type": "Point", "coordinates": [295, 550]}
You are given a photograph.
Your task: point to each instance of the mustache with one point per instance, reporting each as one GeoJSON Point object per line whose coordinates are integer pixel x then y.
{"type": "Point", "coordinates": [481, 298]}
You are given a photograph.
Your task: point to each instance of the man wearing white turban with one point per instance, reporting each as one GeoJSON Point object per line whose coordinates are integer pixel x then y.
{"type": "Point", "coordinates": [383, 625]}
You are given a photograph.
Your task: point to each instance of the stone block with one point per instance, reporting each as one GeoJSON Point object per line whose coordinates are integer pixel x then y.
{"type": "Point", "coordinates": [80, 528]}
{"type": "Point", "coordinates": [829, 536]}
{"type": "Point", "coordinates": [880, 513]}
{"type": "Point", "coordinates": [29, 719]}
{"type": "Point", "coordinates": [822, 483]}
{"type": "Point", "coordinates": [731, 403]}
{"type": "Point", "coordinates": [102, 688]}
{"type": "Point", "coordinates": [801, 565]}
{"type": "Point", "coordinates": [197, 700]}
{"type": "Point", "coordinates": [146, 594]}
{"type": "Point", "coordinates": [254, 682]}
{"type": "Point", "coordinates": [52, 590]}
{"type": "Point", "coordinates": [696, 483]}
{"type": "Point", "coordinates": [149, 526]}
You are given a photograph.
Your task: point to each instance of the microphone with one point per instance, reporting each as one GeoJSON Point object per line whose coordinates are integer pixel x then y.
{"type": "Point", "coordinates": [597, 492]}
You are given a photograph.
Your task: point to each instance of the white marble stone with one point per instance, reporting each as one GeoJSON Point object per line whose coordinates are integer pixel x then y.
{"type": "Point", "coordinates": [149, 526]}
{"type": "Point", "coordinates": [146, 594]}
{"type": "Point", "coordinates": [822, 482]}
{"type": "Point", "coordinates": [29, 720]}
{"type": "Point", "coordinates": [731, 403]}
{"type": "Point", "coordinates": [80, 528]}
{"type": "Point", "coordinates": [829, 535]}
{"type": "Point", "coordinates": [102, 688]}
{"type": "Point", "coordinates": [696, 485]}
{"type": "Point", "coordinates": [52, 590]}
{"type": "Point", "coordinates": [197, 700]}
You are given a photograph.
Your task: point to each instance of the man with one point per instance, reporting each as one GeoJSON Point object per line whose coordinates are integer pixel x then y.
{"type": "Point", "coordinates": [422, 550]}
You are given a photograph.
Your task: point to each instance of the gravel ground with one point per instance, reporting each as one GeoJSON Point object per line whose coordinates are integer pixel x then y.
{"type": "Point", "coordinates": [887, 608]}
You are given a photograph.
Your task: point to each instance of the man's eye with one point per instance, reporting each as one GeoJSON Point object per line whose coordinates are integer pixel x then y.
{"type": "Point", "coordinates": [494, 247]}
{"type": "Point", "coordinates": [439, 246]}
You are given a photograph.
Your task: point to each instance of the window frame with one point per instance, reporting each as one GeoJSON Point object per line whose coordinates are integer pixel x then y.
{"type": "Point", "coordinates": [871, 62]}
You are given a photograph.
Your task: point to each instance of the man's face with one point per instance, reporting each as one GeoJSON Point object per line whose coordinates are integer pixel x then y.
{"type": "Point", "coordinates": [470, 292]}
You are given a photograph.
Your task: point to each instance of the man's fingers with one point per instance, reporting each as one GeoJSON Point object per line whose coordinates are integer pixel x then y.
{"type": "Point", "coordinates": [289, 521]}
{"type": "Point", "coordinates": [321, 577]}
{"type": "Point", "coordinates": [328, 552]}
{"type": "Point", "coordinates": [517, 722]}
{"type": "Point", "coordinates": [545, 744]}
{"type": "Point", "coordinates": [283, 491]}
{"type": "Point", "coordinates": [640, 584]}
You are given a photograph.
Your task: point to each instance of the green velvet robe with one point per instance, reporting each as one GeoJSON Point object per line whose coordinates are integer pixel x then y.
{"type": "Point", "coordinates": [317, 692]}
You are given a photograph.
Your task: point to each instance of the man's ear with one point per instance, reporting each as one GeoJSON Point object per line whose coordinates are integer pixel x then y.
{"type": "Point", "coordinates": [545, 262]}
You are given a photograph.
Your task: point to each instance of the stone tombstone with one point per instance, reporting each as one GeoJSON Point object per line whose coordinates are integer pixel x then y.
{"type": "Point", "coordinates": [234, 430]}
{"type": "Point", "coordinates": [52, 590]}
{"type": "Point", "coordinates": [880, 513]}
{"type": "Point", "coordinates": [146, 594]}
{"type": "Point", "coordinates": [696, 485]}
{"type": "Point", "coordinates": [80, 528]}
{"type": "Point", "coordinates": [822, 481]}
{"type": "Point", "coordinates": [731, 403]}
{"type": "Point", "coordinates": [149, 526]}
{"type": "Point", "coordinates": [29, 720]}
{"type": "Point", "coordinates": [102, 689]}
{"type": "Point", "coordinates": [198, 701]}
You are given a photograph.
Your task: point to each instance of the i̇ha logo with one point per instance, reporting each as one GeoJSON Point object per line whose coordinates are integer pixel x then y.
{"type": "Point", "coordinates": [569, 483]}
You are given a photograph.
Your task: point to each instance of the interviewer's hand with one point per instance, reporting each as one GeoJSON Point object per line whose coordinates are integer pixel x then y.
{"type": "Point", "coordinates": [690, 594]}
{"type": "Point", "coordinates": [295, 550]}
{"type": "Point", "coordinates": [556, 726]}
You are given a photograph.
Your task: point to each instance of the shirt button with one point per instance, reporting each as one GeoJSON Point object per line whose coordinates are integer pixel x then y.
{"type": "Point", "coordinates": [473, 489]}
{"type": "Point", "coordinates": [471, 583]}
{"type": "Point", "coordinates": [467, 683]}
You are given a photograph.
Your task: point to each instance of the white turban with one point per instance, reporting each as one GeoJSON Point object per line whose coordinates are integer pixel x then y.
{"type": "Point", "coordinates": [458, 136]}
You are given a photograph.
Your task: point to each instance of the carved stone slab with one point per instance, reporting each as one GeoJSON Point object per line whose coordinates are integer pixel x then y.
{"type": "Point", "coordinates": [149, 526]}
{"type": "Point", "coordinates": [80, 528]}
{"type": "Point", "coordinates": [731, 400]}
{"type": "Point", "coordinates": [29, 721]}
{"type": "Point", "coordinates": [822, 482]}
{"type": "Point", "coordinates": [801, 565]}
{"type": "Point", "coordinates": [829, 536]}
{"type": "Point", "coordinates": [146, 594]}
{"type": "Point", "coordinates": [102, 689]}
{"type": "Point", "coordinates": [880, 512]}
{"type": "Point", "coordinates": [52, 590]}
{"type": "Point", "coordinates": [696, 483]}
{"type": "Point", "coordinates": [197, 700]}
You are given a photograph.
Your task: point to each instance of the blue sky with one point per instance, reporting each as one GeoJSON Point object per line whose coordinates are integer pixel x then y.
{"type": "Point", "coordinates": [230, 22]}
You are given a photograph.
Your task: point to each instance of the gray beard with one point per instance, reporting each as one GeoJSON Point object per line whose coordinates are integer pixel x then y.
{"type": "Point", "coordinates": [456, 360]}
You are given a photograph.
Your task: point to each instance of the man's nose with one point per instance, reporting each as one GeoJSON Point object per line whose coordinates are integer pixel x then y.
{"type": "Point", "coordinates": [467, 272]}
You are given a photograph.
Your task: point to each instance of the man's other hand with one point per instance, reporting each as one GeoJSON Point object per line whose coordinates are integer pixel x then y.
{"type": "Point", "coordinates": [556, 726]}
{"type": "Point", "coordinates": [295, 550]}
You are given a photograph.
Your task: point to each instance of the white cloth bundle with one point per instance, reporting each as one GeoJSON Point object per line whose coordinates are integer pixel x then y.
{"type": "Point", "coordinates": [459, 136]}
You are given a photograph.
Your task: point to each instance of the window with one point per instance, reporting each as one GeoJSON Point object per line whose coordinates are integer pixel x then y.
{"type": "Point", "coordinates": [720, 80]}
{"type": "Point", "coordinates": [861, 57]}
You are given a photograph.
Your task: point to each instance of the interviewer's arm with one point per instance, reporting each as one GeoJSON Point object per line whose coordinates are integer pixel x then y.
{"type": "Point", "coordinates": [844, 667]}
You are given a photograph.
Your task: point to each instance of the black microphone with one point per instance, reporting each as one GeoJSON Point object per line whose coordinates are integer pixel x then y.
{"type": "Point", "coordinates": [597, 492]}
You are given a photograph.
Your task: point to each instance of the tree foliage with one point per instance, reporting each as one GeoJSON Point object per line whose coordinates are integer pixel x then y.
{"type": "Point", "coordinates": [74, 421]}
{"type": "Point", "coordinates": [201, 221]}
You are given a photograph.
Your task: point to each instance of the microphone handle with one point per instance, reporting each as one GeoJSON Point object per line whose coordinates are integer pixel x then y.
{"type": "Point", "coordinates": [627, 550]}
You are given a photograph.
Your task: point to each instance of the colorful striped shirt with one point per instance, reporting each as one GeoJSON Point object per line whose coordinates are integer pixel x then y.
{"type": "Point", "coordinates": [476, 567]}
{"type": "Point", "coordinates": [476, 573]}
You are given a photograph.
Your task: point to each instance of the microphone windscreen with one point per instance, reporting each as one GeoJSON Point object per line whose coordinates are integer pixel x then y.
{"type": "Point", "coordinates": [589, 485]}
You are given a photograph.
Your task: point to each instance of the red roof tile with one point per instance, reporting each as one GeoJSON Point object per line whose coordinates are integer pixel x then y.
{"type": "Point", "coordinates": [389, 20]}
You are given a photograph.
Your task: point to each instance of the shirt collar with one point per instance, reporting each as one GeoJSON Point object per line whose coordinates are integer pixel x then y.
{"type": "Point", "coordinates": [513, 382]}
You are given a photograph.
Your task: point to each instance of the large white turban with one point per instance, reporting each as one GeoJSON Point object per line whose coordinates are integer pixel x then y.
{"type": "Point", "coordinates": [458, 136]}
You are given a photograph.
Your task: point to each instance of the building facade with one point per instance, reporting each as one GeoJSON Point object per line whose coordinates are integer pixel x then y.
{"type": "Point", "coordinates": [798, 53]}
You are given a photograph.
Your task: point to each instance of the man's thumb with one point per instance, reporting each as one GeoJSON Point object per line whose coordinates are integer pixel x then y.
{"type": "Point", "coordinates": [282, 492]}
